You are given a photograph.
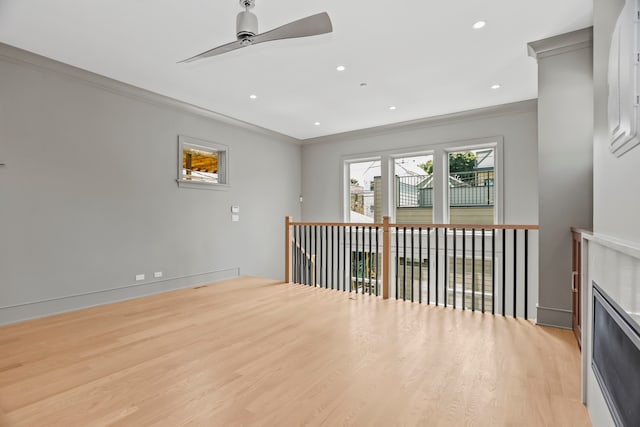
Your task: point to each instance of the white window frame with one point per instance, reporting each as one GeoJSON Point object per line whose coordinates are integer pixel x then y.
{"type": "Point", "coordinates": [392, 193]}
{"type": "Point", "coordinates": [493, 143]}
{"type": "Point", "coordinates": [223, 163]}
{"type": "Point", "coordinates": [345, 191]}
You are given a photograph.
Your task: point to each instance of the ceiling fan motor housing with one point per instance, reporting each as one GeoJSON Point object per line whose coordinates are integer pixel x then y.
{"type": "Point", "coordinates": [246, 25]}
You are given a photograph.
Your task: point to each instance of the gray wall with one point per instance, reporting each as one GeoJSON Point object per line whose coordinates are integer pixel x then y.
{"type": "Point", "coordinates": [516, 123]}
{"type": "Point", "coordinates": [88, 197]}
{"type": "Point", "coordinates": [565, 134]}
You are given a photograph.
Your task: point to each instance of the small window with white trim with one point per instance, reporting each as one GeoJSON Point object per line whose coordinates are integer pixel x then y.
{"type": "Point", "coordinates": [202, 164]}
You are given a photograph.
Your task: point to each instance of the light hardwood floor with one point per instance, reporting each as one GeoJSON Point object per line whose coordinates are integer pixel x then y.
{"type": "Point", "coordinates": [255, 352]}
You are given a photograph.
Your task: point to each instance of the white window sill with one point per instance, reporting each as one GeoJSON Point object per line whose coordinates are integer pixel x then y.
{"type": "Point", "coordinates": [182, 183]}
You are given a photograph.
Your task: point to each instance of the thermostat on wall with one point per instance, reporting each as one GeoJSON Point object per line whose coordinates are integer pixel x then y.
{"type": "Point", "coordinates": [235, 209]}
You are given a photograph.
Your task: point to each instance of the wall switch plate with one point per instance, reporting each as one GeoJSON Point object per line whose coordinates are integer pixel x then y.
{"type": "Point", "coordinates": [139, 277]}
{"type": "Point", "coordinates": [157, 274]}
{"type": "Point", "coordinates": [235, 209]}
{"type": "Point", "coordinates": [235, 218]}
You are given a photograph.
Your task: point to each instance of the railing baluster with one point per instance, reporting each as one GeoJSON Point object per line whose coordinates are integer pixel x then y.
{"type": "Point", "coordinates": [300, 257]}
{"type": "Point", "coordinates": [305, 256]}
{"type": "Point", "coordinates": [483, 253]}
{"type": "Point", "coordinates": [336, 270]}
{"type": "Point", "coordinates": [299, 276]}
{"type": "Point", "coordinates": [455, 261]}
{"type": "Point", "coordinates": [364, 259]}
{"type": "Point", "coordinates": [369, 261]}
{"type": "Point", "coordinates": [309, 256]}
{"type": "Point", "coordinates": [412, 264]}
{"type": "Point", "coordinates": [473, 269]}
{"type": "Point", "coordinates": [397, 260]}
{"type": "Point", "coordinates": [338, 258]}
{"type": "Point", "coordinates": [344, 260]}
{"type": "Point", "coordinates": [420, 265]}
{"type": "Point", "coordinates": [295, 255]}
{"type": "Point", "coordinates": [357, 258]}
{"type": "Point", "coordinates": [464, 268]}
{"type": "Point", "coordinates": [351, 259]}
{"type": "Point", "coordinates": [429, 260]}
{"type": "Point", "coordinates": [326, 257]}
{"type": "Point", "coordinates": [504, 270]}
{"type": "Point", "coordinates": [333, 256]}
{"type": "Point", "coordinates": [404, 263]}
{"type": "Point", "coordinates": [377, 263]}
{"type": "Point", "coordinates": [315, 252]}
{"type": "Point", "coordinates": [515, 270]}
{"type": "Point", "coordinates": [437, 263]}
{"type": "Point", "coordinates": [360, 258]}
{"type": "Point", "coordinates": [526, 274]}
{"type": "Point", "coordinates": [445, 292]}
{"type": "Point", "coordinates": [493, 271]}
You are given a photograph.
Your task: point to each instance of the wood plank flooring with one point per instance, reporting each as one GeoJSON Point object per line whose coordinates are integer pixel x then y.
{"type": "Point", "coordinates": [255, 352]}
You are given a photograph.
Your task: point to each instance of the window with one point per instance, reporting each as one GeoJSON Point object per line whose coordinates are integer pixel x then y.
{"type": "Point", "coordinates": [452, 183]}
{"type": "Point", "coordinates": [202, 164]}
{"type": "Point", "coordinates": [365, 191]}
{"type": "Point", "coordinates": [471, 186]}
{"type": "Point", "coordinates": [413, 183]}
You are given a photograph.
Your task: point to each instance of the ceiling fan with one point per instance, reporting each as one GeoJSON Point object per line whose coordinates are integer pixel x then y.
{"type": "Point", "coordinates": [247, 31]}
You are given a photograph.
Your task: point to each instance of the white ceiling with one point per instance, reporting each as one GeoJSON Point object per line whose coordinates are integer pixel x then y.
{"type": "Point", "coordinates": [421, 56]}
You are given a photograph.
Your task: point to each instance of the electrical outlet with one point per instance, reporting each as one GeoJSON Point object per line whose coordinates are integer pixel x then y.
{"type": "Point", "coordinates": [139, 277]}
{"type": "Point", "coordinates": [157, 274]}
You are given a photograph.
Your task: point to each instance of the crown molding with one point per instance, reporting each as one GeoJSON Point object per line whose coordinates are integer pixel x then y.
{"type": "Point", "coordinates": [560, 44]}
{"type": "Point", "coordinates": [446, 119]}
{"type": "Point", "coordinates": [22, 57]}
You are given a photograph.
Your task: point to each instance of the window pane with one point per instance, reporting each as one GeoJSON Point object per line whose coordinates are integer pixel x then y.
{"type": "Point", "coordinates": [200, 165]}
{"type": "Point", "coordinates": [471, 187]}
{"type": "Point", "coordinates": [365, 192]}
{"type": "Point", "coordinates": [413, 189]}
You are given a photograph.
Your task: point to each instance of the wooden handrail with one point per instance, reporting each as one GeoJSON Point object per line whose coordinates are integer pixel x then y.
{"type": "Point", "coordinates": [470, 226]}
{"type": "Point", "coordinates": [449, 226]}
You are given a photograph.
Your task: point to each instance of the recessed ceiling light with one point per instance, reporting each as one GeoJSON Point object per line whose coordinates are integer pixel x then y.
{"type": "Point", "coordinates": [393, 107]}
{"type": "Point", "coordinates": [496, 86]}
{"type": "Point", "coordinates": [317, 123]}
{"type": "Point", "coordinates": [252, 96]}
{"type": "Point", "coordinates": [479, 24]}
{"type": "Point", "coordinates": [341, 68]}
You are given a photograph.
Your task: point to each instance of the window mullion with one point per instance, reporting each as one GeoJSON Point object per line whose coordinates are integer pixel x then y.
{"type": "Point", "coordinates": [440, 193]}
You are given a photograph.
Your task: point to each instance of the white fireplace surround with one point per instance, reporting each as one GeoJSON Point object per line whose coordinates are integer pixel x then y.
{"type": "Point", "coordinates": [615, 266]}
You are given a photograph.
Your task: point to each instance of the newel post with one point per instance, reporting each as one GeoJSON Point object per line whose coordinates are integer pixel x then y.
{"type": "Point", "coordinates": [386, 250]}
{"type": "Point", "coordinates": [287, 249]}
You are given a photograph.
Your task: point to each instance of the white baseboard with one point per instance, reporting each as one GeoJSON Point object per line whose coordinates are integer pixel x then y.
{"type": "Point", "coordinates": [35, 309]}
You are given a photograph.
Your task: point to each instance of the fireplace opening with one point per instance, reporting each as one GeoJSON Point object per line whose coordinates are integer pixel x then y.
{"type": "Point", "coordinates": [616, 358]}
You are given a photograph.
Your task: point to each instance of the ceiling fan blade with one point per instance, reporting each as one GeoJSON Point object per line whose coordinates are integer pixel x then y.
{"type": "Point", "coordinates": [215, 51]}
{"type": "Point", "coordinates": [310, 26]}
